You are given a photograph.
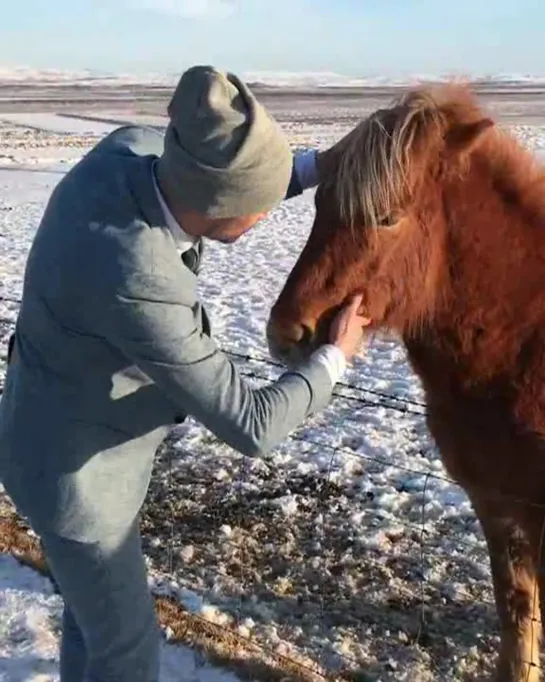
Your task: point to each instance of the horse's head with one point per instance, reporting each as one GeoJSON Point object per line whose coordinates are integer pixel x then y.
{"type": "Point", "coordinates": [380, 222]}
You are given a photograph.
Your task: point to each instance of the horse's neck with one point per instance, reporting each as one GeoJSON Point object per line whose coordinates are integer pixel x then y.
{"type": "Point", "coordinates": [492, 283]}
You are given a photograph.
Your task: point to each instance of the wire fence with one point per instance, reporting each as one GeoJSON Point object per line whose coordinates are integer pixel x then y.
{"type": "Point", "coordinates": [366, 398]}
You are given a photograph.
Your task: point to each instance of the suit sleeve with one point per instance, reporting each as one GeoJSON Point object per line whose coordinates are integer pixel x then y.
{"type": "Point", "coordinates": [152, 325]}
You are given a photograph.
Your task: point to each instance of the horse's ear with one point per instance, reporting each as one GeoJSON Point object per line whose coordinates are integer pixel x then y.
{"type": "Point", "coordinates": [463, 138]}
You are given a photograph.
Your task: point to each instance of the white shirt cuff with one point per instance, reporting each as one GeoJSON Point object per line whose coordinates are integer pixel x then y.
{"type": "Point", "coordinates": [305, 168]}
{"type": "Point", "coordinates": [333, 359]}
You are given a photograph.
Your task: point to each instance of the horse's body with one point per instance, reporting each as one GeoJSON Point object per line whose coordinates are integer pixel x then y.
{"type": "Point", "coordinates": [439, 219]}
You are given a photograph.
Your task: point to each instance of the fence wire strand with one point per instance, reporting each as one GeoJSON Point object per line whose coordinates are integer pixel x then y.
{"type": "Point", "coordinates": [340, 384]}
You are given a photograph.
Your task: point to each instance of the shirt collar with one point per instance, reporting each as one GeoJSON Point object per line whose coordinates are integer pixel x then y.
{"type": "Point", "coordinates": [183, 240]}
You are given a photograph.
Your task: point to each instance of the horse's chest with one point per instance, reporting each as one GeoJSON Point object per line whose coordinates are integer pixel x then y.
{"type": "Point", "coordinates": [475, 431]}
{"type": "Point", "coordinates": [483, 448]}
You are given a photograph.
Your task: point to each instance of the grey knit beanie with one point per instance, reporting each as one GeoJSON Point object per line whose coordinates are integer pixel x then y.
{"type": "Point", "coordinates": [224, 155]}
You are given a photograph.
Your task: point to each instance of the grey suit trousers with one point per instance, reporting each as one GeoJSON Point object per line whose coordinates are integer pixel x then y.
{"type": "Point", "coordinates": [106, 596]}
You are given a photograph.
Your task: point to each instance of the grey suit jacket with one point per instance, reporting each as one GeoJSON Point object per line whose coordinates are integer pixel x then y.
{"type": "Point", "coordinates": [109, 351]}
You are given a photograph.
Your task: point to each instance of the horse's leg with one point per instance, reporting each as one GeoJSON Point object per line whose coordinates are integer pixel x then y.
{"type": "Point", "coordinates": [516, 592]}
{"type": "Point", "coordinates": [534, 523]}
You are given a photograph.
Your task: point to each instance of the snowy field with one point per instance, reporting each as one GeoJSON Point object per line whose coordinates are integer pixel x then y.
{"type": "Point", "coordinates": [346, 549]}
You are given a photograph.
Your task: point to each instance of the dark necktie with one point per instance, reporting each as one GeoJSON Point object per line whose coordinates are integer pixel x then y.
{"type": "Point", "coordinates": [191, 259]}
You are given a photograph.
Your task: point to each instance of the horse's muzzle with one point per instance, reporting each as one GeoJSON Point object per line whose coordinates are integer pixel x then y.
{"type": "Point", "coordinates": [290, 343]}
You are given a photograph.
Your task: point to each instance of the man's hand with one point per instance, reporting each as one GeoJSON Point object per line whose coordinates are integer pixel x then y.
{"type": "Point", "coordinates": [346, 330]}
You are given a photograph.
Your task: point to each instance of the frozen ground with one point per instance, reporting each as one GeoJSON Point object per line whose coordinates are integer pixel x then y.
{"type": "Point", "coordinates": [346, 548]}
{"type": "Point", "coordinates": [29, 632]}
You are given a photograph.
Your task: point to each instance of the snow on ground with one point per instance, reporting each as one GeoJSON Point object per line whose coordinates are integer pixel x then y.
{"type": "Point", "coordinates": [22, 75]}
{"type": "Point", "coordinates": [329, 549]}
{"type": "Point", "coordinates": [56, 123]}
{"type": "Point", "coordinates": [30, 626]}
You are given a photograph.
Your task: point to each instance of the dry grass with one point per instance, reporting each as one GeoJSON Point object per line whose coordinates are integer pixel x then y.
{"type": "Point", "coordinates": [221, 646]}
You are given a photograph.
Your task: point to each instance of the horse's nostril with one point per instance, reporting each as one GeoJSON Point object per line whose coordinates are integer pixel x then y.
{"type": "Point", "coordinates": [307, 335]}
{"type": "Point", "coordinates": [288, 342]}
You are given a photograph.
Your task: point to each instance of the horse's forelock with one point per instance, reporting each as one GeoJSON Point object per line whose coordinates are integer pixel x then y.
{"type": "Point", "coordinates": [384, 159]}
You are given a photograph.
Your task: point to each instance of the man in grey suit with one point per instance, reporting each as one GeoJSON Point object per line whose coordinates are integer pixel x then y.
{"type": "Point", "coordinates": [112, 347]}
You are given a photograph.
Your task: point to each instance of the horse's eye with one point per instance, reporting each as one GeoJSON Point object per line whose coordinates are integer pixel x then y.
{"type": "Point", "coordinates": [387, 221]}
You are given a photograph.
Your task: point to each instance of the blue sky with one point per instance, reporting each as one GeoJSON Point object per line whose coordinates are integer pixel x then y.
{"type": "Point", "coordinates": [355, 37]}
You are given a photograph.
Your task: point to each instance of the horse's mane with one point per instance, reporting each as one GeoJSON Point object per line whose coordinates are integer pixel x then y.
{"type": "Point", "coordinates": [375, 167]}
{"type": "Point", "coordinates": [389, 153]}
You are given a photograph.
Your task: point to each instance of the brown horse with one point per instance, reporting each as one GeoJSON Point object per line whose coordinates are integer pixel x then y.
{"type": "Point", "coordinates": [438, 217]}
